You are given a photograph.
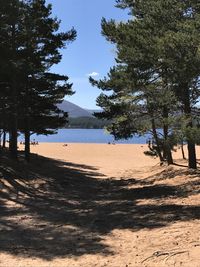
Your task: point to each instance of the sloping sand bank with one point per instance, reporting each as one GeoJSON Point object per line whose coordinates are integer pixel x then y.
{"type": "Point", "coordinates": [98, 205]}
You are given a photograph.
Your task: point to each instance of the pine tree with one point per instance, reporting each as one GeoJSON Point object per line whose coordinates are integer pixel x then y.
{"type": "Point", "coordinates": [10, 42]}
{"type": "Point", "coordinates": [160, 44]}
{"type": "Point", "coordinates": [41, 51]}
{"type": "Point", "coordinates": [30, 44]}
{"type": "Point", "coordinates": [135, 111]}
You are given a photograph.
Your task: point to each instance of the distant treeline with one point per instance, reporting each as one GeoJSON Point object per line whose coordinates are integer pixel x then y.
{"type": "Point", "coordinates": [87, 123]}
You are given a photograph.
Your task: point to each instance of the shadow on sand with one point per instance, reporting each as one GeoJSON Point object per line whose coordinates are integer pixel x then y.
{"type": "Point", "coordinates": [51, 208]}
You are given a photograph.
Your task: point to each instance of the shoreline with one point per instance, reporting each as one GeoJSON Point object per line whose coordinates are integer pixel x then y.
{"type": "Point", "coordinates": [85, 136]}
{"type": "Point", "coordinates": [84, 143]}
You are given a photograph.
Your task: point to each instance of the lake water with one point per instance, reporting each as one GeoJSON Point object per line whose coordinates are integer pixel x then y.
{"type": "Point", "coordinates": [85, 136]}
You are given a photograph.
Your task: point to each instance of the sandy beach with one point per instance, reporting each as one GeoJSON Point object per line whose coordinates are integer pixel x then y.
{"type": "Point", "coordinates": [99, 205]}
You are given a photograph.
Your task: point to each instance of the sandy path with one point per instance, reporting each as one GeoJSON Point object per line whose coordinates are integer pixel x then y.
{"type": "Point", "coordinates": [111, 160]}
{"type": "Point", "coordinates": [101, 205]}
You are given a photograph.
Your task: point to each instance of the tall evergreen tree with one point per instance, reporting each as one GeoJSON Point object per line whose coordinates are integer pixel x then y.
{"type": "Point", "coordinates": [161, 43]}
{"type": "Point", "coordinates": [11, 17]}
{"type": "Point", "coordinates": [31, 43]}
{"type": "Point", "coordinates": [42, 50]}
{"type": "Point", "coordinates": [135, 111]}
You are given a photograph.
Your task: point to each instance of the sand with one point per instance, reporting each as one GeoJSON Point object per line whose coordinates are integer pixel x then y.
{"type": "Point", "coordinates": [99, 205]}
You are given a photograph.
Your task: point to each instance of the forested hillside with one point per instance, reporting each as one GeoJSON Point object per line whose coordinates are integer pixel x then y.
{"type": "Point", "coordinates": [74, 111]}
{"type": "Point", "coordinates": [87, 123]}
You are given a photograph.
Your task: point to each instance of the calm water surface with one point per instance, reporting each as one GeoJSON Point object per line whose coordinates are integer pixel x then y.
{"type": "Point", "coordinates": [85, 136]}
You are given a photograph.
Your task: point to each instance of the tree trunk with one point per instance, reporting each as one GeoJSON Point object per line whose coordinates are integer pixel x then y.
{"type": "Point", "coordinates": [4, 139]}
{"type": "Point", "coordinates": [13, 127]}
{"type": "Point", "coordinates": [27, 144]}
{"type": "Point", "coordinates": [167, 153]}
{"type": "Point", "coordinates": [155, 136]}
{"type": "Point", "coordinates": [13, 138]}
{"type": "Point", "coordinates": [14, 106]}
{"type": "Point", "coordinates": [182, 150]}
{"type": "Point", "coordinates": [1, 134]}
{"type": "Point", "coordinates": [192, 161]}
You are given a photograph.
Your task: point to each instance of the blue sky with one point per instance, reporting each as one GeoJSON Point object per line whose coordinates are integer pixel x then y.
{"type": "Point", "coordinates": [90, 52]}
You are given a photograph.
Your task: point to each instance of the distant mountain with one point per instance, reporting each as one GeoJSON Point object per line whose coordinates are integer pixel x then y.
{"type": "Point", "coordinates": [92, 111]}
{"type": "Point", "coordinates": [74, 111]}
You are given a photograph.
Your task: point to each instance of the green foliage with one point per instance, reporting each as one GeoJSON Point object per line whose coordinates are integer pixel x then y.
{"type": "Point", "coordinates": [30, 43]}
{"type": "Point", "coordinates": [156, 79]}
{"type": "Point", "coordinates": [86, 123]}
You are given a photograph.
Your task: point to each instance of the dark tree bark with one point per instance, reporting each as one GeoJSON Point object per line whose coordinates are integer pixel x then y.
{"type": "Point", "coordinates": [192, 161]}
{"type": "Point", "coordinates": [182, 150]}
{"type": "Point", "coordinates": [155, 135]}
{"type": "Point", "coordinates": [27, 140]}
{"type": "Point", "coordinates": [1, 134]}
{"type": "Point", "coordinates": [167, 153]}
{"type": "Point", "coordinates": [14, 106]}
{"type": "Point", "coordinates": [13, 127]}
{"type": "Point", "coordinates": [13, 138]}
{"type": "Point", "coordinates": [4, 139]}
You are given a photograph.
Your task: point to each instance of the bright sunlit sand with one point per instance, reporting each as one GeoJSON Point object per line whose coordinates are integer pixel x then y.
{"type": "Point", "coordinates": [110, 159]}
